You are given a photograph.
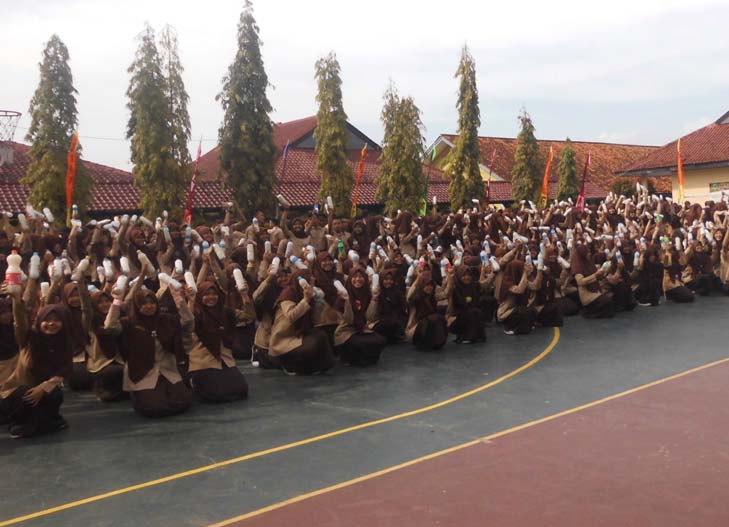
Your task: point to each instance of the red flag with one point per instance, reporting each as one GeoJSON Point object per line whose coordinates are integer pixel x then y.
{"type": "Point", "coordinates": [71, 171]}
{"type": "Point", "coordinates": [488, 181]}
{"type": "Point", "coordinates": [580, 205]}
{"type": "Point", "coordinates": [681, 196]}
{"type": "Point", "coordinates": [544, 195]}
{"type": "Point", "coordinates": [191, 190]}
{"type": "Point", "coordinates": [360, 171]}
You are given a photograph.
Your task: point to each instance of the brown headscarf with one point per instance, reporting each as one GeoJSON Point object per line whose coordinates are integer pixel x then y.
{"type": "Point", "coordinates": [79, 335]}
{"type": "Point", "coordinates": [464, 295]}
{"type": "Point", "coordinates": [583, 264]}
{"type": "Point", "coordinates": [51, 355]}
{"type": "Point", "coordinates": [8, 344]}
{"type": "Point", "coordinates": [424, 304]}
{"type": "Point", "coordinates": [359, 298]}
{"type": "Point", "coordinates": [325, 279]}
{"type": "Point", "coordinates": [142, 332]}
{"type": "Point", "coordinates": [512, 276]}
{"type": "Point", "coordinates": [213, 325]}
{"type": "Point", "coordinates": [294, 293]}
{"type": "Point", "coordinates": [108, 343]}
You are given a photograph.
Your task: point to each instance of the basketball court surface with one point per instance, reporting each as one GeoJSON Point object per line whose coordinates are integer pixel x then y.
{"type": "Point", "coordinates": [619, 422]}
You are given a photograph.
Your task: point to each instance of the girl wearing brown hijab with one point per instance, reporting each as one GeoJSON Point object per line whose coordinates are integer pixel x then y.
{"type": "Point", "coordinates": [264, 300]}
{"type": "Point", "coordinates": [242, 306]}
{"type": "Point", "coordinates": [8, 340]}
{"type": "Point", "coordinates": [152, 349]}
{"type": "Point", "coordinates": [389, 316]}
{"type": "Point", "coordinates": [426, 327]}
{"type": "Point", "coordinates": [298, 345]}
{"type": "Point", "coordinates": [466, 319]}
{"type": "Point", "coordinates": [326, 315]}
{"type": "Point", "coordinates": [595, 304]}
{"type": "Point", "coordinates": [543, 298]}
{"type": "Point", "coordinates": [32, 396]}
{"type": "Point", "coordinates": [214, 374]}
{"type": "Point", "coordinates": [518, 319]}
{"type": "Point", "coordinates": [650, 278]}
{"type": "Point", "coordinates": [673, 286]}
{"type": "Point", "coordinates": [75, 297]}
{"type": "Point", "coordinates": [105, 363]}
{"type": "Point", "coordinates": [355, 342]}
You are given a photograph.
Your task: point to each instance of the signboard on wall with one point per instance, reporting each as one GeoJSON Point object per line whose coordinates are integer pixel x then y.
{"type": "Point", "coordinates": [718, 187]}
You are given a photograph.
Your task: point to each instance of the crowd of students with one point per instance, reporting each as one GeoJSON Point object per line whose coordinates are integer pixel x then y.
{"type": "Point", "coordinates": [159, 311]}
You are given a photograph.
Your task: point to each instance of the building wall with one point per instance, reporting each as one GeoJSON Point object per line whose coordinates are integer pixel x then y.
{"type": "Point", "coordinates": [697, 184]}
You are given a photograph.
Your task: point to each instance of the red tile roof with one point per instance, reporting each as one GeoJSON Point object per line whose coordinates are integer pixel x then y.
{"type": "Point", "coordinates": [113, 189]}
{"type": "Point", "coordinates": [607, 158]}
{"type": "Point", "coordinates": [704, 146]}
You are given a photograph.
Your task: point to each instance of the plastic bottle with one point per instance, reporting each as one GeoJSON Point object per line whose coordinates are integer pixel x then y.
{"type": "Point", "coordinates": [219, 251]}
{"type": "Point", "coordinates": [340, 288]}
{"type": "Point", "coordinates": [101, 274]}
{"type": "Point", "coordinates": [121, 283]}
{"type": "Point", "coordinates": [167, 279]}
{"type": "Point", "coordinates": [48, 214]}
{"type": "Point", "coordinates": [340, 247]}
{"type": "Point", "coordinates": [190, 281]}
{"type": "Point", "coordinates": [275, 264]}
{"type": "Point", "coordinates": [298, 263]}
{"type": "Point", "coordinates": [124, 264]}
{"type": "Point", "coordinates": [81, 268]}
{"type": "Point", "coordinates": [34, 271]}
{"type": "Point", "coordinates": [13, 272]}
{"type": "Point", "coordinates": [251, 252]}
{"type": "Point", "coordinates": [179, 269]}
{"type": "Point", "coordinates": [240, 282]}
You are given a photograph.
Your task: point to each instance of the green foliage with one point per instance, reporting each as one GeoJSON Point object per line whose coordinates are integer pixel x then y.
{"type": "Point", "coordinates": [53, 119]}
{"type": "Point", "coordinates": [569, 183]}
{"type": "Point", "coordinates": [330, 135]}
{"type": "Point", "coordinates": [247, 150]}
{"type": "Point", "coordinates": [528, 171]}
{"type": "Point", "coordinates": [158, 125]}
{"type": "Point", "coordinates": [401, 183]}
{"type": "Point", "coordinates": [463, 160]}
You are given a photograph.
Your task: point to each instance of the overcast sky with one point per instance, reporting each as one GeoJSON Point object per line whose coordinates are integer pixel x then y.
{"type": "Point", "coordinates": [637, 71]}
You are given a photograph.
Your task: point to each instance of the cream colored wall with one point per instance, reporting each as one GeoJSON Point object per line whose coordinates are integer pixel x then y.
{"type": "Point", "coordinates": [696, 184]}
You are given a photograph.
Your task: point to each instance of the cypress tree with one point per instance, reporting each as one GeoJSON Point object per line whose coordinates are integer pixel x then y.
{"type": "Point", "coordinates": [247, 149]}
{"type": "Point", "coordinates": [177, 99]}
{"type": "Point", "coordinates": [569, 184]}
{"type": "Point", "coordinates": [400, 183]}
{"type": "Point", "coordinates": [331, 136]}
{"type": "Point", "coordinates": [159, 167]}
{"type": "Point", "coordinates": [463, 160]}
{"type": "Point", "coordinates": [526, 176]}
{"type": "Point", "coordinates": [53, 119]}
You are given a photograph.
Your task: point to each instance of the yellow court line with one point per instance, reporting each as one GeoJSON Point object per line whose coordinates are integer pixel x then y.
{"type": "Point", "coordinates": [440, 453]}
{"type": "Point", "coordinates": [288, 446]}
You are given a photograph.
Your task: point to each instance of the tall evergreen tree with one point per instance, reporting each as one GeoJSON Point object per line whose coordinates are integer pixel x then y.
{"type": "Point", "coordinates": [177, 99]}
{"type": "Point", "coordinates": [463, 160]}
{"type": "Point", "coordinates": [569, 184]}
{"type": "Point", "coordinates": [401, 183]}
{"type": "Point", "coordinates": [331, 136]}
{"type": "Point", "coordinates": [526, 176]}
{"type": "Point", "coordinates": [53, 119]}
{"type": "Point", "coordinates": [159, 162]}
{"type": "Point", "coordinates": [247, 150]}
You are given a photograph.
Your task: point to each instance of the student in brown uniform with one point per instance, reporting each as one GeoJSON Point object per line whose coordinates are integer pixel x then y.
{"type": "Point", "coordinates": [326, 315]}
{"type": "Point", "coordinates": [264, 300]}
{"type": "Point", "coordinates": [595, 304]}
{"type": "Point", "coordinates": [513, 312]}
{"type": "Point", "coordinates": [673, 286]}
{"type": "Point", "coordinates": [356, 343]}
{"type": "Point", "coordinates": [75, 297]}
{"type": "Point", "coordinates": [427, 328]}
{"type": "Point", "coordinates": [31, 397]}
{"type": "Point", "coordinates": [153, 349]}
{"type": "Point", "coordinates": [105, 363]}
{"type": "Point", "coordinates": [300, 347]}
{"type": "Point", "coordinates": [213, 372]}
{"type": "Point", "coordinates": [464, 315]}
{"type": "Point", "coordinates": [389, 316]}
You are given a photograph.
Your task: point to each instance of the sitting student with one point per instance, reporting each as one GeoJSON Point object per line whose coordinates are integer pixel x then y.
{"type": "Point", "coordinates": [214, 374]}
{"type": "Point", "coordinates": [427, 328]}
{"type": "Point", "coordinates": [518, 319]}
{"type": "Point", "coordinates": [31, 396]}
{"type": "Point", "coordinates": [595, 304]}
{"type": "Point", "coordinates": [264, 299]}
{"type": "Point", "coordinates": [295, 342]}
{"type": "Point", "coordinates": [465, 317]}
{"type": "Point", "coordinates": [356, 344]}
{"type": "Point", "coordinates": [105, 363]}
{"type": "Point", "coordinates": [8, 343]}
{"type": "Point", "coordinates": [153, 349]}
{"type": "Point", "coordinates": [650, 278]}
{"type": "Point", "coordinates": [673, 287]}
{"type": "Point", "coordinates": [75, 297]}
{"type": "Point", "coordinates": [389, 315]}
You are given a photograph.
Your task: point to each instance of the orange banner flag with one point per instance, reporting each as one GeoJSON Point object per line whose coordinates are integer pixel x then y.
{"type": "Point", "coordinates": [360, 171]}
{"type": "Point", "coordinates": [71, 170]}
{"type": "Point", "coordinates": [544, 195]}
{"type": "Point", "coordinates": [680, 174]}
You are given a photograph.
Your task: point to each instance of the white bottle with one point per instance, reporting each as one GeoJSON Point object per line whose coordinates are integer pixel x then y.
{"type": "Point", "coordinates": [190, 281]}
{"type": "Point", "coordinates": [13, 272]}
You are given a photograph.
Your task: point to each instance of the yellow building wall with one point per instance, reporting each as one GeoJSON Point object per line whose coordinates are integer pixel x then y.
{"type": "Point", "coordinates": [697, 185]}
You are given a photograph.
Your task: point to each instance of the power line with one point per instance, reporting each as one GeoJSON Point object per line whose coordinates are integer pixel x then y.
{"type": "Point", "coordinates": [94, 137]}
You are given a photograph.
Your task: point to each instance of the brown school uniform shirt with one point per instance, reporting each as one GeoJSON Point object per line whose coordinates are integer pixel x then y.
{"type": "Point", "coordinates": [284, 337]}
